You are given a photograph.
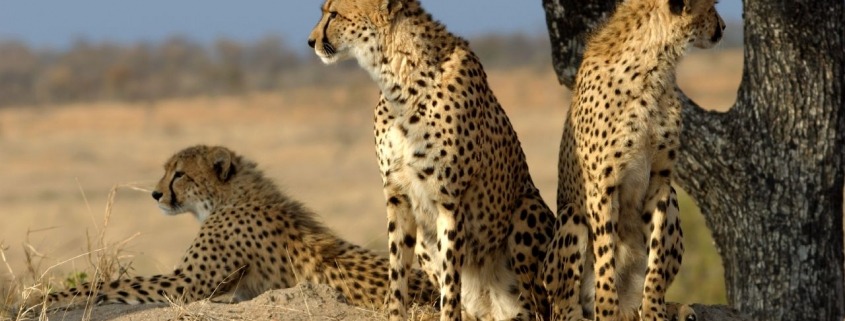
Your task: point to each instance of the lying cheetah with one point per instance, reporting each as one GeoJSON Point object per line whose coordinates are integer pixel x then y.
{"type": "Point", "coordinates": [617, 151]}
{"type": "Point", "coordinates": [253, 238]}
{"type": "Point", "coordinates": [457, 186]}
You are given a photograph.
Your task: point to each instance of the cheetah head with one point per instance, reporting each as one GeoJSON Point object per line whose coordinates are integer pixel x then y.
{"type": "Point", "coordinates": [349, 28]}
{"type": "Point", "coordinates": [700, 19]}
{"type": "Point", "coordinates": [193, 179]}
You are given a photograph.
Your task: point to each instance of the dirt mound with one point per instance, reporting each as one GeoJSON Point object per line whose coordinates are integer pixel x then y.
{"type": "Point", "coordinates": [305, 302]}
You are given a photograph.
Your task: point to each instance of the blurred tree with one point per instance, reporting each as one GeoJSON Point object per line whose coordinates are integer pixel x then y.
{"type": "Point", "coordinates": [767, 174]}
{"type": "Point", "coordinates": [229, 71]}
{"type": "Point", "coordinates": [18, 66]}
{"type": "Point", "coordinates": [511, 50]}
{"type": "Point", "coordinates": [179, 67]}
{"type": "Point", "coordinates": [137, 61]}
{"type": "Point", "coordinates": [267, 60]}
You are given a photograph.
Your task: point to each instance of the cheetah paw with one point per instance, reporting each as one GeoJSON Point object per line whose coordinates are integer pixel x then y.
{"type": "Point", "coordinates": [680, 312]}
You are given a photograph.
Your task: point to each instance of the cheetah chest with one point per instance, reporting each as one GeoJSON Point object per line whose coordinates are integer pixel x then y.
{"type": "Point", "coordinates": [408, 168]}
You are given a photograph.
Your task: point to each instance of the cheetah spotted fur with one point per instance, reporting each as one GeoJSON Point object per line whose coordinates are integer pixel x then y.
{"type": "Point", "coordinates": [252, 239]}
{"type": "Point", "coordinates": [458, 191]}
{"type": "Point", "coordinates": [617, 212]}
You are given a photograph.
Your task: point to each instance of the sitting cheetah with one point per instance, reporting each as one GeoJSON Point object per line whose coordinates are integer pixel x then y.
{"type": "Point", "coordinates": [456, 182]}
{"type": "Point", "coordinates": [617, 151]}
{"type": "Point", "coordinates": [253, 238]}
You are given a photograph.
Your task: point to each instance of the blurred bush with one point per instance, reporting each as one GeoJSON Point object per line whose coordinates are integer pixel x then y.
{"type": "Point", "coordinates": [181, 67]}
{"type": "Point", "coordinates": [701, 279]}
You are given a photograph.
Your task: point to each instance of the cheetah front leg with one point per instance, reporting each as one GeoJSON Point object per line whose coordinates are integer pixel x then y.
{"type": "Point", "coordinates": [450, 244]}
{"type": "Point", "coordinates": [604, 220]}
{"type": "Point", "coordinates": [564, 264]}
{"type": "Point", "coordinates": [528, 243]}
{"type": "Point", "coordinates": [200, 276]}
{"type": "Point", "coordinates": [401, 231]}
{"type": "Point", "coordinates": [665, 250]}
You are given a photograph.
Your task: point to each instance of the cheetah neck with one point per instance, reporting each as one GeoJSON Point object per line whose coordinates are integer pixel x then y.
{"type": "Point", "coordinates": [250, 186]}
{"type": "Point", "coordinates": [644, 36]}
{"type": "Point", "coordinates": [413, 45]}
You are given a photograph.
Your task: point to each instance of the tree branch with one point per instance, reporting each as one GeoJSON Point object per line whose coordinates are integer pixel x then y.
{"type": "Point", "coordinates": [569, 23]}
{"type": "Point", "coordinates": [717, 312]}
{"type": "Point", "coordinates": [703, 137]}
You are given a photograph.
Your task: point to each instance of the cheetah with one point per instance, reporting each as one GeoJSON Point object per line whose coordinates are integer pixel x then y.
{"type": "Point", "coordinates": [253, 238]}
{"type": "Point", "coordinates": [618, 147]}
{"type": "Point", "coordinates": [457, 187]}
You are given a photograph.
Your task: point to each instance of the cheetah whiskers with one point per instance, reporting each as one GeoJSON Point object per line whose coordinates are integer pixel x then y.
{"type": "Point", "coordinates": [329, 49]}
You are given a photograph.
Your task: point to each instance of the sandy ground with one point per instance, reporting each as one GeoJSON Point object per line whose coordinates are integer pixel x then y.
{"type": "Point", "coordinates": [60, 164]}
{"type": "Point", "coordinates": [306, 302]}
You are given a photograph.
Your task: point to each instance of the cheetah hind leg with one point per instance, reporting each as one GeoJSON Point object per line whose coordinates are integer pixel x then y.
{"type": "Point", "coordinates": [401, 229]}
{"type": "Point", "coordinates": [564, 265]}
{"type": "Point", "coordinates": [665, 251]}
{"type": "Point", "coordinates": [528, 244]}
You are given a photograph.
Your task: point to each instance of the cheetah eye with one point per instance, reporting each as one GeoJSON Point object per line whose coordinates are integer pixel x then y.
{"type": "Point", "coordinates": [178, 174]}
{"type": "Point", "coordinates": [333, 14]}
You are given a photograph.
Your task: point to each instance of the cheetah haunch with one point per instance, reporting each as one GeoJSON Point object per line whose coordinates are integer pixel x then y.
{"type": "Point", "coordinates": [252, 239]}
{"type": "Point", "coordinates": [457, 186]}
{"type": "Point", "coordinates": [617, 212]}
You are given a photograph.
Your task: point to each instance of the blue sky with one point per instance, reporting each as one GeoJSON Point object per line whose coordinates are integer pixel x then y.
{"type": "Point", "coordinates": [57, 23]}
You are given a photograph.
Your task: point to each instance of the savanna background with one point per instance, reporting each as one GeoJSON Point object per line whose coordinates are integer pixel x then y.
{"type": "Point", "coordinates": [87, 120]}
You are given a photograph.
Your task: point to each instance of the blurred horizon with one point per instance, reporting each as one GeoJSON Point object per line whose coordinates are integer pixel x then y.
{"type": "Point", "coordinates": [94, 50]}
{"type": "Point", "coordinates": [62, 24]}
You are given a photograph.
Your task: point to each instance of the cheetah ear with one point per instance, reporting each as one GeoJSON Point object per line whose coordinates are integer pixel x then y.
{"type": "Point", "coordinates": [223, 163]}
{"type": "Point", "coordinates": [678, 6]}
{"type": "Point", "coordinates": [391, 7]}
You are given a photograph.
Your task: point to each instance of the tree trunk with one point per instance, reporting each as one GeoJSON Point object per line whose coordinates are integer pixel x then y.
{"type": "Point", "coordinates": [767, 174]}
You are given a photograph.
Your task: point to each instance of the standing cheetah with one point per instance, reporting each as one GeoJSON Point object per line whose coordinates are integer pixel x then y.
{"type": "Point", "coordinates": [456, 182]}
{"type": "Point", "coordinates": [616, 156]}
{"type": "Point", "coordinates": [253, 238]}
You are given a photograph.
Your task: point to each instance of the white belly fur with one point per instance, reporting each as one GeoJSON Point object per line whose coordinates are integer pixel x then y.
{"type": "Point", "coordinates": [485, 292]}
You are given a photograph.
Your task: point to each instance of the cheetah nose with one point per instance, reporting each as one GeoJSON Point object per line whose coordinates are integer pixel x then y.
{"type": "Point", "coordinates": [312, 42]}
{"type": "Point", "coordinates": [717, 35]}
{"type": "Point", "coordinates": [157, 195]}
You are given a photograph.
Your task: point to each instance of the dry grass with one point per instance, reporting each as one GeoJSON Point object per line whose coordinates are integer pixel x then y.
{"type": "Point", "coordinates": [105, 262]}
{"type": "Point", "coordinates": [61, 162]}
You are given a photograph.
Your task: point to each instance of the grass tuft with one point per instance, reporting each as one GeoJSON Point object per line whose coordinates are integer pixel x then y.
{"type": "Point", "coordinates": [106, 261]}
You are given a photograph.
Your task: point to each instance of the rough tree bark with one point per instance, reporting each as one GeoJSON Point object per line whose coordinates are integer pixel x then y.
{"type": "Point", "coordinates": [767, 174]}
